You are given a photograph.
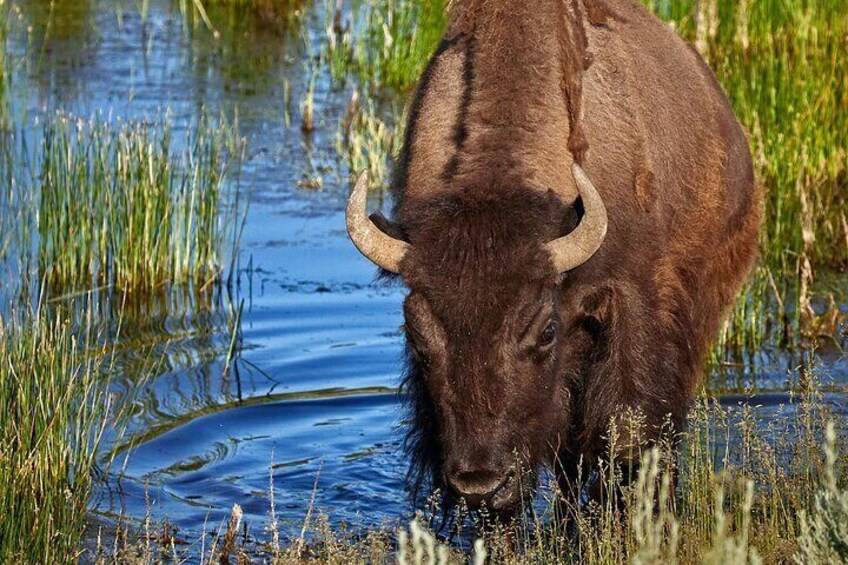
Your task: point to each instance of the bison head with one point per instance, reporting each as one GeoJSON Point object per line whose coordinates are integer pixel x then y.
{"type": "Point", "coordinates": [495, 343]}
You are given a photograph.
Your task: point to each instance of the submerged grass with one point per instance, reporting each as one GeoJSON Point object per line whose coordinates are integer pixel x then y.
{"type": "Point", "coordinates": [119, 207]}
{"type": "Point", "coordinates": [222, 17]}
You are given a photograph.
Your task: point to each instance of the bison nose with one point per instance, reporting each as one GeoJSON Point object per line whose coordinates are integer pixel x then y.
{"type": "Point", "coordinates": [477, 486]}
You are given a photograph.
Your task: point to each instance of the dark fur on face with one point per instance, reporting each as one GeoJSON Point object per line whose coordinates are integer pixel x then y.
{"type": "Point", "coordinates": [488, 384]}
{"type": "Point", "coordinates": [481, 386]}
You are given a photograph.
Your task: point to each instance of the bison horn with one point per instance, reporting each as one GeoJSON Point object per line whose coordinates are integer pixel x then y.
{"type": "Point", "coordinates": [578, 246]}
{"type": "Point", "coordinates": [381, 249]}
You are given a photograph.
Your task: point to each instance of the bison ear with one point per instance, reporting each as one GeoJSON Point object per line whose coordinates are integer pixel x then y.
{"type": "Point", "coordinates": [571, 217]}
{"type": "Point", "coordinates": [601, 303]}
{"type": "Point", "coordinates": [600, 311]}
{"type": "Point", "coordinates": [388, 227]}
{"type": "Point", "coordinates": [569, 214]}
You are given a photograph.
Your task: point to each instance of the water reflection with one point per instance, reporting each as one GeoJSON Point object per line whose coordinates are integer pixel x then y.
{"type": "Point", "coordinates": [151, 336]}
{"type": "Point", "coordinates": [104, 55]}
{"type": "Point", "coordinates": [52, 26]}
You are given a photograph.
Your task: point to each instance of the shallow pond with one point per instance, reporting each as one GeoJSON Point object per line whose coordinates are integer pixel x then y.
{"type": "Point", "coordinates": [310, 399]}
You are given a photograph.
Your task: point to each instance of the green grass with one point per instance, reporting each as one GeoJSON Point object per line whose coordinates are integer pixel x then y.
{"type": "Point", "coordinates": [783, 65]}
{"type": "Point", "coordinates": [86, 204]}
{"type": "Point", "coordinates": [53, 409]}
{"type": "Point", "coordinates": [120, 207]}
{"type": "Point", "coordinates": [388, 41]}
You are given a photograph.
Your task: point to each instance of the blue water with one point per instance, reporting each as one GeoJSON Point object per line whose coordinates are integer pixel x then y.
{"type": "Point", "coordinates": [312, 394]}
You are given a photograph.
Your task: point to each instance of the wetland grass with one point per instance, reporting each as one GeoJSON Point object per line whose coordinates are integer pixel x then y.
{"type": "Point", "coordinates": [120, 207]}
{"type": "Point", "coordinates": [53, 410]}
{"type": "Point", "coordinates": [90, 204]}
{"type": "Point", "coordinates": [784, 65]}
{"type": "Point", "coordinates": [399, 36]}
{"type": "Point", "coordinates": [387, 42]}
{"type": "Point", "coordinates": [365, 137]}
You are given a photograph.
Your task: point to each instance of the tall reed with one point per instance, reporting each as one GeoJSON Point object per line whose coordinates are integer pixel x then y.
{"type": "Point", "coordinates": [120, 207]}
{"type": "Point", "coordinates": [386, 43]}
{"type": "Point", "coordinates": [366, 136]}
{"type": "Point", "coordinates": [53, 409]}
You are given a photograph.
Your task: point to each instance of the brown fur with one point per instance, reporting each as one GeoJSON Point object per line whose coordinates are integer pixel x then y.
{"type": "Point", "coordinates": [516, 94]}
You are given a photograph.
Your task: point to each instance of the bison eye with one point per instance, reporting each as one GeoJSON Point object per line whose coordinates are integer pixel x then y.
{"type": "Point", "coordinates": [549, 334]}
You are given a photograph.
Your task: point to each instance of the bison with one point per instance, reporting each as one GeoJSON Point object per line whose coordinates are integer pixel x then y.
{"type": "Point", "coordinates": [575, 211]}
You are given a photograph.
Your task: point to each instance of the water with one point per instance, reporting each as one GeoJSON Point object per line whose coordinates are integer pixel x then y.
{"type": "Point", "coordinates": [312, 396]}
{"type": "Point", "coordinates": [310, 400]}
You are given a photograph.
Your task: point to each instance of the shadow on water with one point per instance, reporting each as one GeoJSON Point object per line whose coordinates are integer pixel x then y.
{"type": "Point", "coordinates": [294, 375]}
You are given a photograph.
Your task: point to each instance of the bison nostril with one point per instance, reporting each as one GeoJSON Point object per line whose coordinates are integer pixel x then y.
{"type": "Point", "coordinates": [478, 487]}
